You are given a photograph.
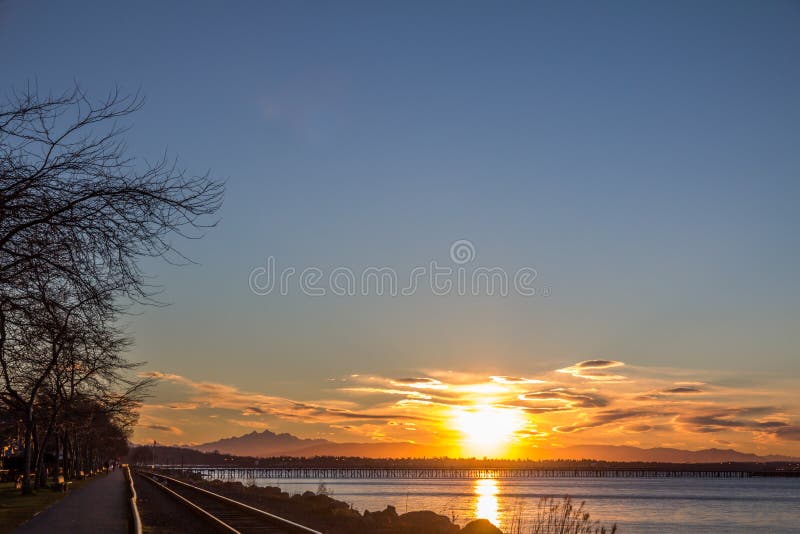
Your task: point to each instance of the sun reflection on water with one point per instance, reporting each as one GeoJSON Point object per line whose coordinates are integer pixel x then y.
{"type": "Point", "coordinates": [486, 502]}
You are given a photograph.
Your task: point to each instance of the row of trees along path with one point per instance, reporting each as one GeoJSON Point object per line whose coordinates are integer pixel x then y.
{"type": "Point", "coordinates": [77, 215]}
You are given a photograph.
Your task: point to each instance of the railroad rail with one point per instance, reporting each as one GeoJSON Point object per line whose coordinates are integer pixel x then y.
{"type": "Point", "coordinates": [223, 513]}
{"type": "Point", "coordinates": [136, 520]}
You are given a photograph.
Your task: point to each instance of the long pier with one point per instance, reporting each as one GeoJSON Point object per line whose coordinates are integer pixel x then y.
{"type": "Point", "coordinates": [317, 473]}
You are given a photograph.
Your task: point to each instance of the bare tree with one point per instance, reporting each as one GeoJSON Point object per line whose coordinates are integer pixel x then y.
{"type": "Point", "coordinates": [71, 196]}
{"type": "Point", "coordinates": [46, 318]}
{"type": "Point", "coordinates": [77, 213]}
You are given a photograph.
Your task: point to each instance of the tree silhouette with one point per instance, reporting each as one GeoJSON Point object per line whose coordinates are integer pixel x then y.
{"type": "Point", "coordinates": [77, 214]}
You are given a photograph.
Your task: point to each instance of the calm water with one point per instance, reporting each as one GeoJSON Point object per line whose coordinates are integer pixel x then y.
{"type": "Point", "coordinates": [636, 505]}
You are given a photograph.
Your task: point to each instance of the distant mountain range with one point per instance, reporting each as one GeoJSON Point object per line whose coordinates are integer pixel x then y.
{"type": "Point", "coordinates": [266, 444]}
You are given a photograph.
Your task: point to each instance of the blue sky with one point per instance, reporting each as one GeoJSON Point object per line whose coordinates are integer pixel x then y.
{"type": "Point", "coordinates": [642, 157]}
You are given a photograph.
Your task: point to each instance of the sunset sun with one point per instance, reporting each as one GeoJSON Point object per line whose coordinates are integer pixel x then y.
{"type": "Point", "coordinates": [486, 429]}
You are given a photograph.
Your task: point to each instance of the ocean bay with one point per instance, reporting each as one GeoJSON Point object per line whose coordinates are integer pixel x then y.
{"type": "Point", "coordinates": [665, 505]}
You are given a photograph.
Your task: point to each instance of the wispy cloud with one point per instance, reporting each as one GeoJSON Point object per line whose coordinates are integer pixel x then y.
{"type": "Point", "coordinates": [566, 398]}
{"type": "Point", "coordinates": [594, 370]}
{"type": "Point", "coordinates": [585, 402]}
{"type": "Point", "coordinates": [165, 428]}
{"type": "Point", "coordinates": [682, 389]}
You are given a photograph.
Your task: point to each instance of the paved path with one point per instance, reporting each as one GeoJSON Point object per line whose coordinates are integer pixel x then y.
{"type": "Point", "coordinates": [99, 506]}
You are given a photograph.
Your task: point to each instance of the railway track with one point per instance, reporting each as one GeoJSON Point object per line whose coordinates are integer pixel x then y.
{"type": "Point", "coordinates": [222, 513]}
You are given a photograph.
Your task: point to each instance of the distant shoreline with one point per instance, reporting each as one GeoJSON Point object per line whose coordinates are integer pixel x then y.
{"type": "Point", "coordinates": [436, 473]}
{"type": "Point", "coordinates": [329, 466]}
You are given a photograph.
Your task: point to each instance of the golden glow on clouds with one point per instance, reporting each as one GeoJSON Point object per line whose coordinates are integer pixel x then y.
{"type": "Point", "coordinates": [594, 370]}
{"type": "Point", "coordinates": [595, 401]}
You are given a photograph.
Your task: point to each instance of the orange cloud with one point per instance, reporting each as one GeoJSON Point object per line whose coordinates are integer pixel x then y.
{"type": "Point", "coordinates": [165, 428]}
{"type": "Point", "coordinates": [659, 405]}
{"type": "Point", "coordinates": [594, 370]}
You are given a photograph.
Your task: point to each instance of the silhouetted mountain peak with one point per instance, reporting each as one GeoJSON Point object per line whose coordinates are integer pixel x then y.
{"type": "Point", "coordinates": [267, 443]}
